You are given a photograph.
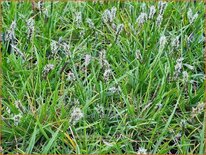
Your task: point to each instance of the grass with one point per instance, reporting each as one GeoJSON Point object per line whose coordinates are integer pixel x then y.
{"type": "Point", "coordinates": [143, 105]}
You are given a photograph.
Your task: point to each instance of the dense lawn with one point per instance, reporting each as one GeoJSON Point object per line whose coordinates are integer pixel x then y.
{"type": "Point", "coordinates": [93, 77]}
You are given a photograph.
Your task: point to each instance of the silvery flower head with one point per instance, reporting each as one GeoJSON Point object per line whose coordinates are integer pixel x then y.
{"type": "Point", "coordinates": [106, 65]}
{"type": "Point", "coordinates": [102, 57]}
{"type": "Point", "coordinates": [66, 49]}
{"type": "Point", "coordinates": [200, 106]}
{"type": "Point", "coordinates": [54, 47]}
{"type": "Point", "coordinates": [48, 68]}
{"type": "Point", "coordinates": [76, 115]}
{"type": "Point", "coordinates": [105, 16]}
{"type": "Point", "coordinates": [112, 14]}
{"type": "Point", "coordinates": [159, 20]}
{"type": "Point", "coordinates": [78, 18]}
{"type": "Point", "coordinates": [40, 5]}
{"type": "Point", "coordinates": [100, 110]}
{"type": "Point", "coordinates": [71, 76]}
{"type": "Point", "coordinates": [18, 51]}
{"type": "Point", "coordinates": [162, 6]}
{"type": "Point", "coordinates": [113, 90]}
{"type": "Point", "coordinates": [175, 42]}
{"type": "Point", "coordinates": [13, 26]}
{"type": "Point", "coordinates": [107, 74]}
{"type": "Point", "coordinates": [185, 76]}
{"type": "Point", "coordinates": [30, 28]}
{"type": "Point", "coordinates": [119, 28]}
{"type": "Point", "coordinates": [10, 34]}
{"type": "Point", "coordinates": [152, 12]}
{"type": "Point", "coordinates": [195, 17]}
{"type": "Point", "coordinates": [198, 110]}
{"type": "Point", "coordinates": [109, 15]}
{"type": "Point", "coordinates": [142, 150]}
{"type": "Point", "coordinates": [190, 16]}
{"type": "Point", "coordinates": [114, 26]}
{"type": "Point", "coordinates": [82, 33]}
{"type": "Point", "coordinates": [142, 18]}
{"type": "Point", "coordinates": [87, 59]}
{"type": "Point", "coordinates": [90, 23]}
{"type": "Point", "coordinates": [180, 60]}
{"type": "Point", "coordinates": [17, 119]}
{"type": "Point", "coordinates": [183, 122]}
{"type": "Point", "coordinates": [163, 41]}
{"type": "Point", "coordinates": [178, 66]}
{"type": "Point", "coordinates": [138, 55]}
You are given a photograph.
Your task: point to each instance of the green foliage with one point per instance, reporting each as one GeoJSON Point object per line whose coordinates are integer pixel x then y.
{"type": "Point", "coordinates": [145, 103]}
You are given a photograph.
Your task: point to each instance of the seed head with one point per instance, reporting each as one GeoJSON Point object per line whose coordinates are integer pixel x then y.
{"type": "Point", "coordinates": [66, 49]}
{"type": "Point", "coordinates": [195, 17]}
{"type": "Point", "coordinates": [152, 12]}
{"type": "Point", "coordinates": [119, 28]}
{"type": "Point", "coordinates": [185, 76]}
{"type": "Point", "coordinates": [163, 41]}
{"type": "Point", "coordinates": [76, 115]}
{"type": "Point", "coordinates": [183, 122]}
{"type": "Point", "coordinates": [10, 34]}
{"type": "Point", "coordinates": [162, 6]}
{"type": "Point", "coordinates": [78, 18]}
{"type": "Point", "coordinates": [102, 57]}
{"type": "Point", "coordinates": [175, 42]}
{"type": "Point", "coordinates": [105, 16]}
{"type": "Point", "coordinates": [30, 28]}
{"type": "Point", "coordinates": [198, 110]}
{"type": "Point", "coordinates": [18, 51]}
{"type": "Point", "coordinates": [107, 74]}
{"type": "Point", "coordinates": [90, 23]}
{"type": "Point", "coordinates": [113, 90]}
{"type": "Point", "coordinates": [142, 150]}
{"type": "Point", "coordinates": [48, 68]}
{"type": "Point", "coordinates": [87, 59]}
{"type": "Point", "coordinates": [71, 76]}
{"type": "Point", "coordinates": [13, 26]}
{"type": "Point", "coordinates": [138, 55]}
{"type": "Point", "coordinates": [114, 26]}
{"type": "Point", "coordinates": [82, 33]}
{"type": "Point", "coordinates": [178, 66]}
{"type": "Point", "coordinates": [112, 14]}
{"type": "Point", "coordinates": [142, 18]}
{"type": "Point", "coordinates": [190, 16]}
{"type": "Point", "coordinates": [109, 16]}
{"type": "Point", "coordinates": [40, 5]}
{"type": "Point", "coordinates": [17, 119]}
{"type": "Point", "coordinates": [100, 110]}
{"type": "Point", "coordinates": [54, 47]}
{"type": "Point", "coordinates": [159, 20]}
